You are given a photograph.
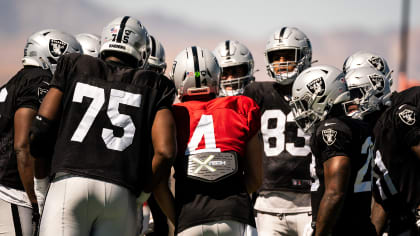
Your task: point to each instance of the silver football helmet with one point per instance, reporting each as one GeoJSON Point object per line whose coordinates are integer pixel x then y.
{"type": "Point", "coordinates": [91, 43]}
{"type": "Point", "coordinates": [363, 59]}
{"type": "Point", "coordinates": [126, 35]}
{"type": "Point", "coordinates": [156, 60]}
{"type": "Point", "coordinates": [237, 66]}
{"type": "Point", "coordinates": [44, 47]}
{"type": "Point", "coordinates": [287, 53]}
{"type": "Point", "coordinates": [369, 90]}
{"type": "Point", "coordinates": [315, 91]}
{"type": "Point", "coordinates": [195, 71]}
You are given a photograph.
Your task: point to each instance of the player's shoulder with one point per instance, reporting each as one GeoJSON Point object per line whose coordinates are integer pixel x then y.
{"type": "Point", "coordinates": [152, 79]}
{"type": "Point", "coordinates": [258, 88]}
{"type": "Point", "coordinates": [333, 126]}
{"type": "Point", "coordinates": [32, 72]}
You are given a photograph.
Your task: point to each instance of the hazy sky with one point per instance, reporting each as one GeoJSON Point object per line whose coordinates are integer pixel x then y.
{"type": "Point", "coordinates": [257, 17]}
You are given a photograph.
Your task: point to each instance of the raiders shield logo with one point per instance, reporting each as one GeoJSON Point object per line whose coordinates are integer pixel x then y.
{"type": "Point", "coordinates": [43, 90]}
{"type": "Point", "coordinates": [377, 63]}
{"type": "Point", "coordinates": [329, 136]}
{"type": "Point", "coordinates": [317, 86]}
{"type": "Point", "coordinates": [377, 82]}
{"type": "Point", "coordinates": [57, 47]}
{"type": "Point", "coordinates": [407, 116]}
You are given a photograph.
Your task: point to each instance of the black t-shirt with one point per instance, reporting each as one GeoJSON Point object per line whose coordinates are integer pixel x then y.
{"type": "Point", "coordinates": [107, 113]}
{"type": "Point", "coordinates": [287, 154]}
{"type": "Point", "coordinates": [397, 169]}
{"type": "Point", "coordinates": [25, 90]}
{"type": "Point", "coordinates": [343, 136]}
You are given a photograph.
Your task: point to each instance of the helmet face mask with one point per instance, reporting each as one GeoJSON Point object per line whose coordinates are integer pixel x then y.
{"type": "Point", "coordinates": [288, 52]}
{"type": "Point", "coordinates": [234, 79]}
{"type": "Point", "coordinates": [315, 91]}
{"type": "Point", "coordinates": [196, 72]}
{"type": "Point", "coordinates": [368, 91]}
{"type": "Point", "coordinates": [237, 66]}
{"type": "Point", "coordinates": [305, 118]}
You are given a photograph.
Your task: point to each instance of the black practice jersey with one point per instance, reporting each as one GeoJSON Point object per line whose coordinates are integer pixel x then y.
{"type": "Point", "coordinates": [397, 169]}
{"type": "Point", "coordinates": [25, 90]}
{"type": "Point", "coordinates": [287, 153]}
{"type": "Point", "coordinates": [348, 137]}
{"type": "Point", "coordinates": [107, 114]}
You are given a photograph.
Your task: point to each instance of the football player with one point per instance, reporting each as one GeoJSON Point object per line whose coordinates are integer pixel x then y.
{"type": "Point", "coordinates": [20, 99]}
{"type": "Point", "coordinates": [283, 202]}
{"type": "Point", "coordinates": [341, 196]}
{"type": "Point", "coordinates": [113, 119]}
{"type": "Point", "coordinates": [237, 66]}
{"type": "Point", "coordinates": [156, 61]}
{"type": "Point", "coordinates": [91, 43]}
{"type": "Point", "coordinates": [395, 182]}
{"type": "Point", "coordinates": [219, 152]}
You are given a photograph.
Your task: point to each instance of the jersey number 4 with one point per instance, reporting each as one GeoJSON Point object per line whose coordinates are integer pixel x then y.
{"type": "Point", "coordinates": [205, 127]}
{"type": "Point", "coordinates": [116, 98]}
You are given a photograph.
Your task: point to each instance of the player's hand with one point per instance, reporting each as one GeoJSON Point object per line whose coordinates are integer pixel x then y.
{"type": "Point", "coordinates": [35, 219]}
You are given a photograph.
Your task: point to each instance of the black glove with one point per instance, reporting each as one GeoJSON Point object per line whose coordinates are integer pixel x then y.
{"type": "Point", "coordinates": [35, 219]}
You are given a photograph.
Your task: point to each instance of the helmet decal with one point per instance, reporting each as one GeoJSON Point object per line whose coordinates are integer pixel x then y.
{"type": "Point", "coordinates": [57, 47]}
{"type": "Point", "coordinates": [377, 81]}
{"type": "Point", "coordinates": [317, 86]}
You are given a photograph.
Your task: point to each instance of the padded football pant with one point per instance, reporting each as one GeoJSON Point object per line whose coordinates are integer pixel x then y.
{"type": "Point", "coordinates": [15, 220]}
{"type": "Point", "coordinates": [80, 206]}
{"type": "Point", "coordinates": [291, 224]}
{"type": "Point", "coordinates": [217, 228]}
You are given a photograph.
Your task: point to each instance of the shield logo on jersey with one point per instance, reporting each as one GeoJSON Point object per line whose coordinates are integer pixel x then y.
{"type": "Point", "coordinates": [329, 136]}
{"type": "Point", "coordinates": [317, 86]}
{"type": "Point", "coordinates": [57, 47]}
{"type": "Point", "coordinates": [407, 116]}
{"type": "Point", "coordinates": [377, 63]}
{"type": "Point", "coordinates": [42, 91]}
{"type": "Point", "coordinates": [377, 81]}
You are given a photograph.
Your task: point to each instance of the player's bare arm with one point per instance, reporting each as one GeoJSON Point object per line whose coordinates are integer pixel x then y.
{"type": "Point", "coordinates": [49, 110]}
{"type": "Point", "coordinates": [25, 162]}
{"type": "Point", "coordinates": [416, 150]}
{"type": "Point", "coordinates": [164, 197]}
{"type": "Point", "coordinates": [378, 217]}
{"type": "Point", "coordinates": [164, 145]}
{"type": "Point", "coordinates": [337, 176]}
{"type": "Point", "coordinates": [253, 157]}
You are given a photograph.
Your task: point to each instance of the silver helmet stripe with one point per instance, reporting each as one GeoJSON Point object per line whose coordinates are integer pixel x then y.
{"type": "Point", "coordinates": [196, 67]}
{"type": "Point", "coordinates": [121, 30]}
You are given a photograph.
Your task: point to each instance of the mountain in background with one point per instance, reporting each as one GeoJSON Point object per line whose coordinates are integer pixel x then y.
{"type": "Point", "coordinates": [20, 18]}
